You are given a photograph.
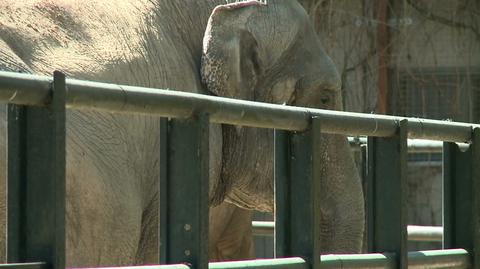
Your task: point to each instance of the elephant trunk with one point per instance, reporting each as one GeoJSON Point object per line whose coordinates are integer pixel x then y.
{"type": "Point", "coordinates": [248, 166]}
{"type": "Point", "coordinates": [342, 201]}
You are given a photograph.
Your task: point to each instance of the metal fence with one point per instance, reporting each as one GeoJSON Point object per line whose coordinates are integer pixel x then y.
{"type": "Point", "coordinates": [358, 145]}
{"type": "Point", "coordinates": [36, 175]}
{"type": "Point", "coordinates": [425, 153]}
{"type": "Point", "coordinates": [414, 232]}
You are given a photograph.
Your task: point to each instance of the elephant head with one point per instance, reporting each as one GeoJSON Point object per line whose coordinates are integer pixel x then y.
{"type": "Point", "coordinates": [268, 53]}
{"type": "Point", "coordinates": [271, 53]}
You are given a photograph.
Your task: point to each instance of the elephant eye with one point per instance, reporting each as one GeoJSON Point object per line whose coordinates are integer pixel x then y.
{"type": "Point", "coordinates": [326, 98]}
{"type": "Point", "coordinates": [293, 98]}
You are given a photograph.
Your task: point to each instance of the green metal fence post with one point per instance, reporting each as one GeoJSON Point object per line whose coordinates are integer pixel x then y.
{"type": "Point", "coordinates": [366, 192]}
{"type": "Point", "coordinates": [297, 194]}
{"type": "Point", "coordinates": [163, 208]}
{"type": "Point", "coordinates": [187, 192]}
{"type": "Point", "coordinates": [36, 181]}
{"type": "Point", "coordinates": [16, 181]}
{"type": "Point", "coordinates": [461, 199]}
{"type": "Point", "coordinates": [387, 171]}
{"type": "Point", "coordinates": [282, 193]}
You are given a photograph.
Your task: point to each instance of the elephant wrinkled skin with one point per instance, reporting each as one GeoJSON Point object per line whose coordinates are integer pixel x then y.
{"type": "Point", "coordinates": [245, 50]}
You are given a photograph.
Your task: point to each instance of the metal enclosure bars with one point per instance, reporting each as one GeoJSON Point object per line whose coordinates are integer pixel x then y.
{"type": "Point", "coordinates": [36, 175]}
{"type": "Point", "coordinates": [36, 180]}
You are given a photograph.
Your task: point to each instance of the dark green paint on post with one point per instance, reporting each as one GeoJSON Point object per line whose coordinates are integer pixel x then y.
{"type": "Point", "coordinates": [163, 208]}
{"type": "Point", "coordinates": [297, 194]}
{"type": "Point", "coordinates": [36, 181]}
{"type": "Point", "coordinates": [187, 191]}
{"type": "Point", "coordinates": [461, 199]}
{"type": "Point", "coordinates": [386, 195]}
{"type": "Point", "coordinates": [16, 181]}
{"type": "Point", "coordinates": [282, 194]}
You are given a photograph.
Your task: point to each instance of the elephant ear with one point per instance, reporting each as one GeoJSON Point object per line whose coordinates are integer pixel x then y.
{"type": "Point", "coordinates": [231, 64]}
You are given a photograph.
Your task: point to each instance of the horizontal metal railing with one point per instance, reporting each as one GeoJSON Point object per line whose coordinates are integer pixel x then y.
{"type": "Point", "coordinates": [415, 232]}
{"type": "Point", "coordinates": [425, 233]}
{"type": "Point", "coordinates": [164, 266]}
{"type": "Point", "coordinates": [451, 258]}
{"type": "Point", "coordinates": [25, 89]}
{"type": "Point", "coordinates": [263, 228]}
{"type": "Point", "coordinates": [32, 90]}
{"type": "Point", "coordinates": [281, 263]}
{"type": "Point", "coordinates": [414, 145]}
{"type": "Point", "coordinates": [438, 259]}
{"type": "Point", "coordinates": [30, 265]}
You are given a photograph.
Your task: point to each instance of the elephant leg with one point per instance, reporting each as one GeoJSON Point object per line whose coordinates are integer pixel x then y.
{"type": "Point", "coordinates": [105, 195]}
{"type": "Point", "coordinates": [103, 227]}
{"type": "Point", "coordinates": [148, 247]}
{"type": "Point", "coordinates": [230, 233]}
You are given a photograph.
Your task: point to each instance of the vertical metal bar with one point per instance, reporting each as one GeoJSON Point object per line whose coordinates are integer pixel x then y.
{"type": "Point", "coordinates": [187, 191]}
{"type": "Point", "coordinates": [456, 196]}
{"type": "Point", "coordinates": [461, 205]}
{"type": "Point", "coordinates": [282, 193]}
{"type": "Point", "coordinates": [16, 177]}
{"type": "Point", "coordinates": [163, 225]}
{"type": "Point", "coordinates": [369, 194]}
{"type": "Point", "coordinates": [36, 181]}
{"type": "Point", "coordinates": [474, 212]}
{"type": "Point", "coordinates": [387, 202]}
{"type": "Point", "coordinates": [364, 175]}
{"type": "Point", "coordinates": [297, 189]}
{"type": "Point", "coordinates": [364, 166]}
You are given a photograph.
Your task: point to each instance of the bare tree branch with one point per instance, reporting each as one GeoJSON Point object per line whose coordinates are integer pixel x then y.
{"type": "Point", "coordinates": [431, 16]}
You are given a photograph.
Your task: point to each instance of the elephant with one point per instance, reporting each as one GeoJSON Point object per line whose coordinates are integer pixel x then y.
{"type": "Point", "coordinates": [250, 50]}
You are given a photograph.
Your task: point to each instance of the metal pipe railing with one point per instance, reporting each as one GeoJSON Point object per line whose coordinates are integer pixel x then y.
{"type": "Point", "coordinates": [448, 258]}
{"type": "Point", "coordinates": [163, 266]}
{"type": "Point", "coordinates": [25, 89]}
{"type": "Point", "coordinates": [263, 228]}
{"type": "Point", "coordinates": [425, 233]}
{"type": "Point", "coordinates": [414, 145]}
{"type": "Point", "coordinates": [28, 265]}
{"type": "Point", "coordinates": [415, 232]}
{"type": "Point", "coordinates": [352, 261]}
{"type": "Point", "coordinates": [34, 90]}
{"type": "Point", "coordinates": [280, 263]}
{"type": "Point", "coordinates": [430, 259]}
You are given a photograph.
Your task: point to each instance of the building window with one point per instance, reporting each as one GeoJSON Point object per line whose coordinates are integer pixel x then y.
{"type": "Point", "coordinates": [442, 94]}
